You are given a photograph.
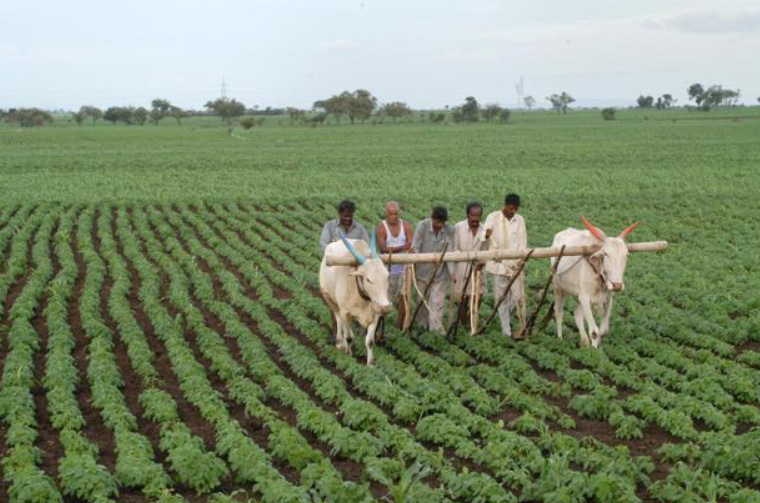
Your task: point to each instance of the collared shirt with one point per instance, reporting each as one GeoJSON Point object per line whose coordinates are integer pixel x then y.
{"type": "Point", "coordinates": [330, 233]}
{"type": "Point", "coordinates": [465, 241]}
{"type": "Point", "coordinates": [427, 241]}
{"type": "Point", "coordinates": [507, 235]}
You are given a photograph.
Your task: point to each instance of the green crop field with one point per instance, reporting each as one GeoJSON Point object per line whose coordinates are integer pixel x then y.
{"type": "Point", "coordinates": [162, 337]}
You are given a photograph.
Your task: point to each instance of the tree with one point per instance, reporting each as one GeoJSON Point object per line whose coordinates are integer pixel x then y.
{"type": "Point", "coordinates": [318, 118]}
{"type": "Point", "coordinates": [159, 109]}
{"type": "Point", "coordinates": [696, 93]}
{"type": "Point", "coordinates": [608, 114]}
{"type": "Point", "coordinates": [79, 118]}
{"type": "Point", "coordinates": [248, 123]}
{"type": "Point", "coordinates": [437, 118]}
{"type": "Point", "coordinates": [28, 117]}
{"type": "Point", "coordinates": [295, 114]}
{"type": "Point", "coordinates": [731, 97]}
{"type": "Point", "coordinates": [529, 102]}
{"type": "Point", "coordinates": [665, 101]}
{"type": "Point", "coordinates": [337, 106]}
{"type": "Point", "coordinates": [644, 101]}
{"type": "Point", "coordinates": [116, 114]}
{"type": "Point", "coordinates": [226, 108]}
{"type": "Point", "coordinates": [395, 110]}
{"type": "Point", "coordinates": [90, 111]}
{"type": "Point", "coordinates": [140, 115]}
{"type": "Point", "coordinates": [111, 115]}
{"type": "Point", "coordinates": [561, 102]}
{"type": "Point", "coordinates": [713, 96]}
{"type": "Point", "coordinates": [504, 115]}
{"type": "Point", "coordinates": [491, 112]}
{"type": "Point", "coordinates": [467, 112]}
{"type": "Point", "coordinates": [359, 105]}
{"type": "Point", "coordinates": [178, 114]}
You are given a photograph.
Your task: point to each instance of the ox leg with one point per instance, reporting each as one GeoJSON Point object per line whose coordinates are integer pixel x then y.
{"type": "Point", "coordinates": [339, 334]}
{"type": "Point", "coordinates": [605, 328]}
{"type": "Point", "coordinates": [369, 342]}
{"type": "Point", "coordinates": [588, 313]}
{"type": "Point", "coordinates": [344, 331]}
{"type": "Point", "coordinates": [581, 324]}
{"type": "Point", "coordinates": [559, 308]}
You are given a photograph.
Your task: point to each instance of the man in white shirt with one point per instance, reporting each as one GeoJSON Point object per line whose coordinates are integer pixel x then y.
{"type": "Point", "coordinates": [505, 230]}
{"type": "Point", "coordinates": [469, 235]}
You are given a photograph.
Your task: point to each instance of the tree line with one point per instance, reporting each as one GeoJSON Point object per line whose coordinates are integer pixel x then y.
{"type": "Point", "coordinates": [356, 106]}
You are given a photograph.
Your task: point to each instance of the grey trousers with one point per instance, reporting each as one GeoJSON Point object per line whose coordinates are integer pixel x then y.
{"type": "Point", "coordinates": [433, 319]}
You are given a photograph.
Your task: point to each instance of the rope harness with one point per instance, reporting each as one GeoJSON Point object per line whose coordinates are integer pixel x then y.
{"type": "Point", "coordinates": [362, 291]}
{"type": "Point", "coordinates": [600, 275]}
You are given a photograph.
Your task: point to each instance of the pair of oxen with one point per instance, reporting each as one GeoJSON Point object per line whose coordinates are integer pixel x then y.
{"type": "Point", "coordinates": [360, 292]}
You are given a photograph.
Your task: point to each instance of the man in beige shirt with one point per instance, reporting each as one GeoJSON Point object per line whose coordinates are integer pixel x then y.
{"type": "Point", "coordinates": [505, 230]}
{"type": "Point", "coordinates": [469, 235]}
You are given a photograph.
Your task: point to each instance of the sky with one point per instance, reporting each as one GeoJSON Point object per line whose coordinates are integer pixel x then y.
{"type": "Point", "coordinates": [427, 53]}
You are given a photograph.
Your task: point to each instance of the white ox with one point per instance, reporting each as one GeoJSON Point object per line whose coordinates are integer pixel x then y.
{"type": "Point", "coordinates": [355, 292]}
{"type": "Point", "coordinates": [593, 279]}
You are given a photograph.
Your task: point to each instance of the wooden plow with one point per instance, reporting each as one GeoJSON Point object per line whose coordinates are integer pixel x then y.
{"type": "Point", "coordinates": [481, 257]}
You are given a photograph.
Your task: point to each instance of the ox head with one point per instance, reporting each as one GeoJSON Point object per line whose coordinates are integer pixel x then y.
{"type": "Point", "coordinates": [372, 275]}
{"type": "Point", "coordinates": [611, 259]}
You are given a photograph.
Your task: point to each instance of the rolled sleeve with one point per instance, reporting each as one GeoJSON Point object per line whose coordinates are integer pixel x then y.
{"type": "Point", "coordinates": [362, 233]}
{"type": "Point", "coordinates": [325, 238]}
{"type": "Point", "coordinates": [452, 247]}
{"type": "Point", "coordinates": [418, 237]}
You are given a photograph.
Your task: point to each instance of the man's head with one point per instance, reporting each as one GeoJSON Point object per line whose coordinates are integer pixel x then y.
{"type": "Point", "coordinates": [439, 217]}
{"type": "Point", "coordinates": [511, 205]}
{"type": "Point", "coordinates": [346, 210]}
{"type": "Point", "coordinates": [474, 214]}
{"type": "Point", "coordinates": [392, 212]}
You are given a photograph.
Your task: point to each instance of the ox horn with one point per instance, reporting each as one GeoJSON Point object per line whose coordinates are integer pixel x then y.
{"type": "Point", "coordinates": [598, 234]}
{"type": "Point", "coordinates": [373, 243]}
{"type": "Point", "coordinates": [628, 230]}
{"type": "Point", "coordinates": [359, 258]}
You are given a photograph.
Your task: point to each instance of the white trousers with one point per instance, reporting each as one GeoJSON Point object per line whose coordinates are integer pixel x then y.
{"type": "Point", "coordinates": [513, 301]}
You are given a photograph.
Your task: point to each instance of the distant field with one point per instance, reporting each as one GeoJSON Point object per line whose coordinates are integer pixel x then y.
{"type": "Point", "coordinates": [162, 338]}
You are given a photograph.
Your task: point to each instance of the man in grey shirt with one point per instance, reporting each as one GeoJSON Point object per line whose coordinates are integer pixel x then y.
{"type": "Point", "coordinates": [344, 223]}
{"type": "Point", "coordinates": [431, 236]}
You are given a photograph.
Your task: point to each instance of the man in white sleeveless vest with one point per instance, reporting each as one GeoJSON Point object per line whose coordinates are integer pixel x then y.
{"type": "Point", "coordinates": [395, 236]}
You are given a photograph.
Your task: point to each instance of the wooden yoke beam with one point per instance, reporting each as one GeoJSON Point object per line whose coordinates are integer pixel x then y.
{"type": "Point", "coordinates": [487, 256]}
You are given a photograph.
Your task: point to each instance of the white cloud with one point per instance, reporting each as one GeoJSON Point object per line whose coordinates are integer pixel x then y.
{"type": "Point", "coordinates": [340, 45]}
{"type": "Point", "coordinates": [715, 21]}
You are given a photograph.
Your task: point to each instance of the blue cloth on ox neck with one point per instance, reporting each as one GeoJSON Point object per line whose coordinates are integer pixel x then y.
{"type": "Point", "coordinates": [359, 258]}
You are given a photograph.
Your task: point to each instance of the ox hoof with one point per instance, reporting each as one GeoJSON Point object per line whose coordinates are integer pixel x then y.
{"type": "Point", "coordinates": [371, 364]}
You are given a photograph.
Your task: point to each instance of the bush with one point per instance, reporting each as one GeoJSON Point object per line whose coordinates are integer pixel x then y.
{"type": "Point", "coordinates": [248, 122]}
{"type": "Point", "coordinates": [608, 114]}
{"type": "Point", "coordinates": [28, 117]}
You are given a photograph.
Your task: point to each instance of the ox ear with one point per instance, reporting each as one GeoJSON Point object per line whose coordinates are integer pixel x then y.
{"type": "Point", "coordinates": [373, 243]}
{"type": "Point", "coordinates": [596, 231]}
{"type": "Point", "coordinates": [359, 258]}
{"type": "Point", "coordinates": [628, 230]}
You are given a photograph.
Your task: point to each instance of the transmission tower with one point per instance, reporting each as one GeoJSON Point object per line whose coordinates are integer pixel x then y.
{"type": "Point", "coordinates": [520, 88]}
{"type": "Point", "coordinates": [224, 89]}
